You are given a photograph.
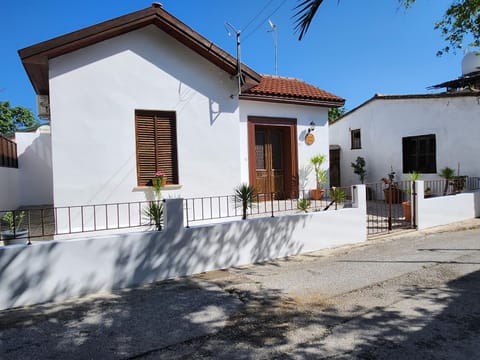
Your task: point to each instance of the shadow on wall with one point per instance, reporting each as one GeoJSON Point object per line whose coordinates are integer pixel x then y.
{"type": "Point", "coordinates": [61, 269]}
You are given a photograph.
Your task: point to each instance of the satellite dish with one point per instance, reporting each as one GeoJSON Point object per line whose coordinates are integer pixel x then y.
{"type": "Point", "coordinates": [471, 62]}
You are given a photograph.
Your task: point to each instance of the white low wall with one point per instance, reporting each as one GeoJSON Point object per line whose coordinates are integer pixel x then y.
{"type": "Point", "coordinates": [448, 209]}
{"type": "Point", "coordinates": [56, 270]}
{"type": "Point", "coordinates": [9, 189]}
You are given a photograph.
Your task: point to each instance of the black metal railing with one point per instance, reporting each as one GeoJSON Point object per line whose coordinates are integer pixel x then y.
{"type": "Point", "coordinates": [385, 211]}
{"type": "Point", "coordinates": [215, 208]}
{"type": "Point", "coordinates": [43, 223]}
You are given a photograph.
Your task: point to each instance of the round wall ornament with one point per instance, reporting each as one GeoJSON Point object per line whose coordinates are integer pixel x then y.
{"type": "Point", "coordinates": [309, 139]}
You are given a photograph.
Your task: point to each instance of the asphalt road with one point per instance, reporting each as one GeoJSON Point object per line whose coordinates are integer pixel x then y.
{"type": "Point", "coordinates": [414, 297]}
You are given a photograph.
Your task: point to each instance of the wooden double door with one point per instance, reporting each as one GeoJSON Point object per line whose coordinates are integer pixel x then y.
{"type": "Point", "coordinates": [273, 157]}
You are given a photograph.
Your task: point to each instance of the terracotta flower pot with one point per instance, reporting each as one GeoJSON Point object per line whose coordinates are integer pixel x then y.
{"type": "Point", "coordinates": [316, 194]}
{"type": "Point", "coordinates": [407, 210]}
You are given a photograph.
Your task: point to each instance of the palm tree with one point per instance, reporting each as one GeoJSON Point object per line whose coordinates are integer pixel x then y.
{"type": "Point", "coordinates": [306, 10]}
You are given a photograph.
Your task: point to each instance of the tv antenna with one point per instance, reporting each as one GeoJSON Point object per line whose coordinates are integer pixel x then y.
{"type": "Point", "coordinates": [273, 30]}
{"type": "Point", "coordinates": [229, 27]}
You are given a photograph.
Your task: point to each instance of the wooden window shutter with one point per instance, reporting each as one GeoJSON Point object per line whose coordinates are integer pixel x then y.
{"type": "Point", "coordinates": [156, 137]}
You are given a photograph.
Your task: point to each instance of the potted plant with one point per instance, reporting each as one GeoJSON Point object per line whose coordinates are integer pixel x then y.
{"type": "Point", "coordinates": [458, 183]}
{"type": "Point", "coordinates": [16, 233]}
{"type": "Point", "coordinates": [391, 193]}
{"type": "Point", "coordinates": [407, 205]}
{"type": "Point", "coordinates": [360, 170]}
{"type": "Point", "coordinates": [320, 176]}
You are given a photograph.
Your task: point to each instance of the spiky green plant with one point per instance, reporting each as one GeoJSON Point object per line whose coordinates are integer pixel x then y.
{"type": "Point", "coordinates": [303, 204]}
{"type": "Point", "coordinates": [245, 194]}
{"type": "Point", "coordinates": [337, 195]}
{"type": "Point", "coordinates": [448, 174]}
{"type": "Point", "coordinates": [320, 174]}
{"type": "Point", "coordinates": [154, 213]}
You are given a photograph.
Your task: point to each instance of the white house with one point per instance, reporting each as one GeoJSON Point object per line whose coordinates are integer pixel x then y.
{"type": "Point", "coordinates": [405, 133]}
{"type": "Point", "coordinates": [144, 92]}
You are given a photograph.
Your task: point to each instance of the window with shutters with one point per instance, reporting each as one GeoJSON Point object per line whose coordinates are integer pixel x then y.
{"type": "Point", "coordinates": [156, 138]}
{"type": "Point", "coordinates": [419, 154]}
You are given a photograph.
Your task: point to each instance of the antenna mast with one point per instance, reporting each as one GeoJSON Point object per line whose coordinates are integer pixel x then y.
{"type": "Point", "coordinates": [273, 29]}
{"type": "Point", "coordinates": [229, 27]}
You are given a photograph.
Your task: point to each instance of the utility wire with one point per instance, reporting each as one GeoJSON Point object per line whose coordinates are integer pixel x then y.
{"type": "Point", "coordinates": [265, 20]}
{"type": "Point", "coordinates": [256, 16]}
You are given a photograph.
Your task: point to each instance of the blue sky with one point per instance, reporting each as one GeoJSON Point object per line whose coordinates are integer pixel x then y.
{"type": "Point", "coordinates": [354, 48]}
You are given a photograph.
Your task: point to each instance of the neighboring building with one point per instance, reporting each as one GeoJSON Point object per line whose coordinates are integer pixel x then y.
{"type": "Point", "coordinates": [407, 133]}
{"type": "Point", "coordinates": [144, 92]}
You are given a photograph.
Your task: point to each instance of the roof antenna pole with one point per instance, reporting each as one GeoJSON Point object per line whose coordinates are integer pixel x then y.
{"type": "Point", "coordinates": [229, 27]}
{"type": "Point", "coordinates": [273, 29]}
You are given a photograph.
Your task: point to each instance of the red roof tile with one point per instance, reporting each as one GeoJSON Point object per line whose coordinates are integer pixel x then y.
{"type": "Point", "coordinates": [293, 89]}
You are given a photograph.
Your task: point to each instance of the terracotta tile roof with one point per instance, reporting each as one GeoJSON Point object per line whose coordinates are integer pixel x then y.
{"type": "Point", "coordinates": [289, 88]}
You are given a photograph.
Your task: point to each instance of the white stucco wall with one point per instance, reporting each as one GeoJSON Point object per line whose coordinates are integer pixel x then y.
{"type": "Point", "coordinates": [441, 210]}
{"type": "Point", "coordinates": [9, 193]}
{"type": "Point", "coordinates": [383, 123]}
{"type": "Point", "coordinates": [94, 93]}
{"type": "Point", "coordinates": [61, 269]}
{"type": "Point", "coordinates": [35, 168]}
{"type": "Point", "coordinates": [304, 116]}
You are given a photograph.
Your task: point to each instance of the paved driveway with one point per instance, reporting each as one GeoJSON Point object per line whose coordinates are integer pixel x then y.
{"type": "Point", "coordinates": [410, 297]}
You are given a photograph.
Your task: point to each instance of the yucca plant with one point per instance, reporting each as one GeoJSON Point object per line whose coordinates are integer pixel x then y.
{"type": "Point", "coordinates": [154, 213]}
{"type": "Point", "coordinates": [245, 194]}
{"type": "Point", "coordinates": [337, 195]}
{"type": "Point", "coordinates": [448, 174]}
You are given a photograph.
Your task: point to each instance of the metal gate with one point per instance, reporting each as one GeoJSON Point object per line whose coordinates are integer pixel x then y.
{"type": "Point", "coordinates": [391, 206]}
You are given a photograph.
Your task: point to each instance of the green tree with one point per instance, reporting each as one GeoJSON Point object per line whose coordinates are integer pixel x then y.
{"type": "Point", "coordinates": [335, 113]}
{"type": "Point", "coordinates": [461, 19]}
{"type": "Point", "coordinates": [12, 118]}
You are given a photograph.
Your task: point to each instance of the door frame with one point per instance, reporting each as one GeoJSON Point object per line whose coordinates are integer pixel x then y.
{"type": "Point", "coordinates": [290, 150]}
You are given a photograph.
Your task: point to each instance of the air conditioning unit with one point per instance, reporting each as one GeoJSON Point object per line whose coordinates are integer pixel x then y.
{"type": "Point", "coordinates": [43, 107]}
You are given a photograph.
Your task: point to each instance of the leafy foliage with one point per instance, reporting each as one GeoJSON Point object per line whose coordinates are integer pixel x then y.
{"type": "Point", "coordinates": [335, 113]}
{"type": "Point", "coordinates": [359, 168]}
{"type": "Point", "coordinates": [320, 174]}
{"type": "Point", "coordinates": [12, 118]}
{"type": "Point", "coordinates": [461, 19]}
{"type": "Point", "coordinates": [14, 219]}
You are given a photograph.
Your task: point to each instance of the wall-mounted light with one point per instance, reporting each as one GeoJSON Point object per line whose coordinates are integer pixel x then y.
{"type": "Point", "coordinates": [312, 127]}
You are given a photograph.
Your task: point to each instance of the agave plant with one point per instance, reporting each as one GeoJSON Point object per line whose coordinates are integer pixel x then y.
{"type": "Point", "coordinates": [246, 195]}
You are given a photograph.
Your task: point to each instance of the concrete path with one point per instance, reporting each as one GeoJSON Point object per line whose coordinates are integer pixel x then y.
{"type": "Point", "coordinates": [395, 297]}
